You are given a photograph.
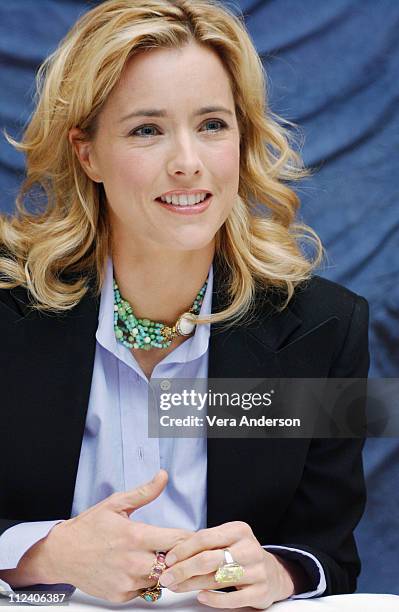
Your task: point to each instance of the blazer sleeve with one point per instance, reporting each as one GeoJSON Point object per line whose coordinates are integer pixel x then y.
{"type": "Point", "coordinates": [331, 497]}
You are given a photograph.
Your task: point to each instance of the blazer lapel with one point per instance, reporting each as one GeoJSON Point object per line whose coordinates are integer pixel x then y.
{"type": "Point", "coordinates": [248, 350]}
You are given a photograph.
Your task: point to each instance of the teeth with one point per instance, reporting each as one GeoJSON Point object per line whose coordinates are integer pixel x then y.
{"type": "Point", "coordinates": [184, 200]}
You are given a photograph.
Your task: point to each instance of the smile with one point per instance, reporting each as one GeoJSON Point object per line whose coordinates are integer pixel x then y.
{"type": "Point", "coordinates": [186, 208]}
{"type": "Point", "coordinates": [184, 199]}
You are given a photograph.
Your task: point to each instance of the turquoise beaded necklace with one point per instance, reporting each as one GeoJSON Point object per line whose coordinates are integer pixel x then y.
{"type": "Point", "coordinates": [144, 333]}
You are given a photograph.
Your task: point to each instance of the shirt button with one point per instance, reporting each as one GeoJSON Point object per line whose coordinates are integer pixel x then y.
{"type": "Point", "coordinates": [165, 385]}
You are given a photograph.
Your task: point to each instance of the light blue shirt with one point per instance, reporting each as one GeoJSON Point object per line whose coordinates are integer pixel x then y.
{"type": "Point", "coordinates": [117, 454]}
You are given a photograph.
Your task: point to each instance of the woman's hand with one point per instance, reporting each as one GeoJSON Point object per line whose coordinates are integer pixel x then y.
{"type": "Point", "coordinates": [102, 551]}
{"type": "Point", "coordinates": [194, 561]}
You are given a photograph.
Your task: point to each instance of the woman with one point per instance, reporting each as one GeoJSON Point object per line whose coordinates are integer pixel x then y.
{"type": "Point", "coordinates": [165, 183]}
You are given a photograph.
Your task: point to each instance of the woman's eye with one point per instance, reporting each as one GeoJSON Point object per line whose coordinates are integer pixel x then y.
{"type": "Point", "coordinates": [215, 122]}
{"type": "Point", "coordinates": [143, 127]}
{"type": "Point", "coordinates": [145, 130]}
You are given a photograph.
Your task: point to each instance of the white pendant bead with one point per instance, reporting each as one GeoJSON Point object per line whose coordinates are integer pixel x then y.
{"type": "Point", "coordinates": [184, 326]}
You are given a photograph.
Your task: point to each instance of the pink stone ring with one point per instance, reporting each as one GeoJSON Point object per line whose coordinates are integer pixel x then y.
{"type": "Point", "coordinates": [154, 593]}
{"type": "Point", "coordinates": [158, 566]}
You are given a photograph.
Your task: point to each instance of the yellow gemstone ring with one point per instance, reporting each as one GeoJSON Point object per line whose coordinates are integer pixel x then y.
{"type": "Point", "coordinates": [230, 570]}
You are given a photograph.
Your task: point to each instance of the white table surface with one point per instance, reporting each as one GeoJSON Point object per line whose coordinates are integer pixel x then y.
{"type": "Point", "coordinates": [187, 602]}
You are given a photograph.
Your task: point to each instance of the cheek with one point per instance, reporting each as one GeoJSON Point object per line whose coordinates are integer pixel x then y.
{"type": "Point", "coordinates": [226, 166]}
{"type": "Point", "coordinates": [135, 171]}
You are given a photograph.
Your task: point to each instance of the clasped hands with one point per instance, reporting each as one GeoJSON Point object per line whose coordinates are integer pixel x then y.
{"type": "Point", "coordinates": [104, 553]}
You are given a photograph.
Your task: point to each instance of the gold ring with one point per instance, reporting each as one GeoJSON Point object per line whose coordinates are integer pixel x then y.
{"type": "Point", "coordinates": [154, 593]}
{"type": "Point", "coordinates": [158, 566]}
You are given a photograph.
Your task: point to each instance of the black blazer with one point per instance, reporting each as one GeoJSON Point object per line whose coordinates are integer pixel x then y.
{"type": "Point", "coordinates": [305, 493]}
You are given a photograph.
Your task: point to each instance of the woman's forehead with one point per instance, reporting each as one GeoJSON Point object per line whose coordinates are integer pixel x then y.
{"type": "Point", "coordinates": [162, 74]}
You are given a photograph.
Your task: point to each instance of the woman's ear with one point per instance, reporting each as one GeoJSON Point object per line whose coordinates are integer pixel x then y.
{"type": "Point", "coordinates": [84, 152]}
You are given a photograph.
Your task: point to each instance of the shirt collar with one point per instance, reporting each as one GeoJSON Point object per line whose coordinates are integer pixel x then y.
{"type": "Point", "coordinates": [191, 349]}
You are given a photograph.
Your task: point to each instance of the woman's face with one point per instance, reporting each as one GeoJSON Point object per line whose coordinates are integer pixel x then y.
{"type": "Point", "coordinates": [169, 125]}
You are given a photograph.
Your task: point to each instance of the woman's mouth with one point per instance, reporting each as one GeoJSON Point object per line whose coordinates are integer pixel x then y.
{"type": "Point", "coordinates": [187, 209]}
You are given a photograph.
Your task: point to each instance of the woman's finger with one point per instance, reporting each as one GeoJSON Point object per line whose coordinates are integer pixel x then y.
{"type": "Point", "coordinates": [222, 536]}
{"type": "Point", "coordinates": [247, 596]}
{"type": "Point", "coordinates": [245, 552]}
{"type": "Point", "coordinates": [208, 581]}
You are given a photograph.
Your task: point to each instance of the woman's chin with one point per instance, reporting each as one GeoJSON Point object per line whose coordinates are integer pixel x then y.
{"type": "Point", "coordinates": [192, 241]}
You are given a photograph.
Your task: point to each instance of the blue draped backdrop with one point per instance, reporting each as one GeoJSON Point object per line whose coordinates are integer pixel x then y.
{"type": "Point", "coordinates": [333, 68]}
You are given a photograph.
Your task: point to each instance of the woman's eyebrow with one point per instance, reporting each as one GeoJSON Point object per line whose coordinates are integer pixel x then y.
{"type": "Point", "coordinates": [155, 112]}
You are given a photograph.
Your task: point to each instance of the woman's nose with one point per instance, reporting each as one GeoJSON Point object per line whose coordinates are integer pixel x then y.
{"type": "Point", "coordinates": [184, 157]}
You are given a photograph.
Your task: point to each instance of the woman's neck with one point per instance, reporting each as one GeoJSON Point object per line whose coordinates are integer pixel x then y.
{"type": "Point", "coordinates": [161, 286]}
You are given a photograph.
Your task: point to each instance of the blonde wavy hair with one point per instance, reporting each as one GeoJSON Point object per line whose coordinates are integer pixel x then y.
{"type": "Point", "coordinates": [259, 244]}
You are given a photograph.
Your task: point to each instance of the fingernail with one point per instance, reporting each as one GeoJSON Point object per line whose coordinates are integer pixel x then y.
{"type": "Point", "coordinates": [167, 579]}
{"type": "Point", "coordinates": [171, 559]}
